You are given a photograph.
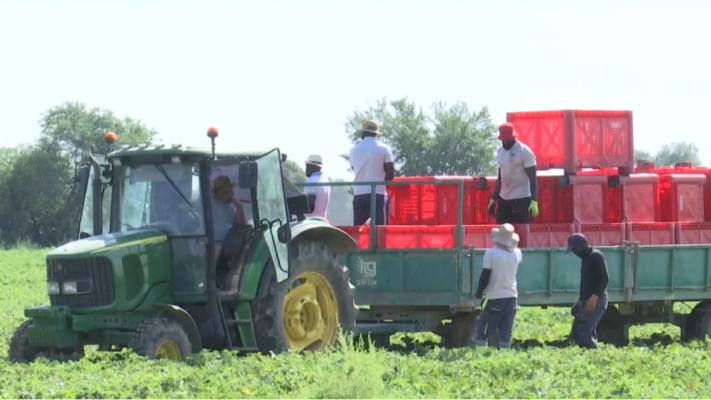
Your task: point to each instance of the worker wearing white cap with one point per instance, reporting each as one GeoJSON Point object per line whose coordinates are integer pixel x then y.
{"type": "Point", "coordinates": [317, 195]}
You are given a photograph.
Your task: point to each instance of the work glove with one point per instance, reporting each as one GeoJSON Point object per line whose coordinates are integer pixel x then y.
{"type": "Point", "coordinates": [533, 208]}
{"type": "Point", "coordinates": [491, 208]}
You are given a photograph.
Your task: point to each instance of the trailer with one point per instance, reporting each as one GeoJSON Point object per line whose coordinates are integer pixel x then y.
{"type": "Point", "coordinates": [433, 289]}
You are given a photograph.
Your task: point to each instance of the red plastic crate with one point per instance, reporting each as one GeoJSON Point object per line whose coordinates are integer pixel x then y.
{"type": "Point", "coordinates": [546, 200]}
{"type": "Point", "coordinates": [603, 234]}
{"type": "Point", "coordinates": [361, 238]}
{"type": "Point", "coordinates": [574, 139]}
{"type": "Point", "coordinates": [429, 204]}
{"type": "Point", "coordinates": [682, 197]}
{"type": "Point", "coordinates": [416, 237]}
{"type": "Point", "coordinates": [549, 235]}
{"type": "Point", "coordinates": [480, 202]}
{"type": "Point", "coordinates": [685, 168]}
{"type": "Point", "coordinates": [636, 199]}
{"type": "Point", "coordinates": [446, 200]}
{"type": "Point", "coordinates": [411, 204]}
{"type": "Point", "coordinates": [651, 233]}
{"type": "Point", "coordinates": [584, 201]}
{"type": "Point", "coordinates": [693, 233]}
{"type": "Point", "coordinates": [478, 236]}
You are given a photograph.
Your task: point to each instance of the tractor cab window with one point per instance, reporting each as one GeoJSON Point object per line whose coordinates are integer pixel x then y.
{"type": "Point", "coordinates": [161, 196]}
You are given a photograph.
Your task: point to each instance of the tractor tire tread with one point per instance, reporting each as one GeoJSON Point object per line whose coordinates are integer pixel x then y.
{"type": "Point", "coordinates": [147, 336]}
{"type": "Point", "coordinates": [20, 350]}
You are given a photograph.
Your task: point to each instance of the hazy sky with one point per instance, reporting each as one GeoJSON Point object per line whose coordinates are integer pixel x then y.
{"type": "Point", "coordinates": [288, 73]}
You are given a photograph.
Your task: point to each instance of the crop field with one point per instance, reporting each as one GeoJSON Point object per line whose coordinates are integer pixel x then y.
{"type": "Point", "coordinates": [654, 365]}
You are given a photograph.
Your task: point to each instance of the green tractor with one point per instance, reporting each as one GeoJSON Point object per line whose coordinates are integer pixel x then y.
{"type": "Point", "coordinates": [148, 272]}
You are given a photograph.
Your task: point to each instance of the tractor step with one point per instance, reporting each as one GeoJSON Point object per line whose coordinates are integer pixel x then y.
{"type": "Point", "coordinates": [238, 321]}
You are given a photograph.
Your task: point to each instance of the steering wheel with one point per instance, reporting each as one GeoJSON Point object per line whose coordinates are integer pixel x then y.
{"type": "Point", "coordinates": [187, 220]}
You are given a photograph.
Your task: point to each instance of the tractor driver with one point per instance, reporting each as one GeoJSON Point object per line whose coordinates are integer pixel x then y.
{"type": "Point", "coordinates": [226, 210]}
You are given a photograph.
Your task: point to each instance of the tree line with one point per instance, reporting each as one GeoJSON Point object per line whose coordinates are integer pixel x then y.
{"type": "Point", "coordinates": [40, 203]}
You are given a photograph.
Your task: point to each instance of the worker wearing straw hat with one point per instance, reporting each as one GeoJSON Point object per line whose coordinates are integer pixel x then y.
{"type": "Point", "coordinates": [372, 161]}
{"type": "Point", "coordinates": [515, 195]}
{"type": "Point", "coordinates": [317, 195]}
{"type": "Point", "coordinates": [498, 282]}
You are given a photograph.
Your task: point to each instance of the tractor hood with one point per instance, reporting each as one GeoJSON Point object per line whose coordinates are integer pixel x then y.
{"type": "Point", "coordinates": [109, 242]}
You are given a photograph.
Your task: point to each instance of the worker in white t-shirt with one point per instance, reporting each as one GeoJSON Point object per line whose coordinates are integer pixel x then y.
{"type": "Point", "coordinates": [372, 161]}
{"type": "Point", "coordinates": [317, 195]}
{"type": "Point", "coordinates": [498, 283]}
{"type": "Point", "coordinates": [515, 195]}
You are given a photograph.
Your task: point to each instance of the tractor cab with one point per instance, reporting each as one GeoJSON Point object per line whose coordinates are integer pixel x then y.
{"type": "Point", "coordinates": [169, 191]}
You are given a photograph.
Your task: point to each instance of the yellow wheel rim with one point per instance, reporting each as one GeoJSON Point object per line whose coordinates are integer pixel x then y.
{"type": "Point", "coordinates": [310, 313]}
{"type": "Point", "coordinates": [170, 350]}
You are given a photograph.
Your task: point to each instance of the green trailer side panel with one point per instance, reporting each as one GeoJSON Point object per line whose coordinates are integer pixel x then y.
{"type": "Point", "coordinates": [549, 271]}
{"type": "Point", "coordinates": [406, 271]}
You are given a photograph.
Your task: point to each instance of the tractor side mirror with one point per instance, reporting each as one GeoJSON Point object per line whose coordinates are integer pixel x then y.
{"type": "Point", "coordinates": [248, 176]}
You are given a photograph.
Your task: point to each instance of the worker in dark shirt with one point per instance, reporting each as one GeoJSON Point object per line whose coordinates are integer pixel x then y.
{"type": "Point", "coordinates": [592, 303]}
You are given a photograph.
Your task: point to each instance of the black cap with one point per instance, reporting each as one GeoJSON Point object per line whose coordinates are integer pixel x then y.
{"type": "Point", "coordinates": [575, 239]}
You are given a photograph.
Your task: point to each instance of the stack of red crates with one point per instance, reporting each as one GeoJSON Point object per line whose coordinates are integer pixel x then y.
{"type": "Point", "coordinates": [611, 203]}
{"type": "Point", "coordinates": [685, 198]}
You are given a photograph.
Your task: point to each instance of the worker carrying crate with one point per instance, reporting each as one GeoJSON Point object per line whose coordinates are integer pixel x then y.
{"type": "Point", "coordinates": [516, 192]}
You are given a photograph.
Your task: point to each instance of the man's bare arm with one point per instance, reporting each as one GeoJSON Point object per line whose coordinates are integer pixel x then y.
{"type": "Point", "coordinates": [497, 187]}
{"type": "Point", "coordinates": [240, 218]}
{"type": "Point", "coordinates": [531, 172]}
{"type": "Point", "coordinates": [389, 171]}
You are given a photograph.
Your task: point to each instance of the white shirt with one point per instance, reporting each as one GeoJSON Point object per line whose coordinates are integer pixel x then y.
{"type": "Point", "coordinates": [322, 194]}
{"type": "Point", "coordinates": [513, 163]}
{"type": "Point", "coordinates": [503, 265]}
{"type": "Point", "coordinates": [367, 159]}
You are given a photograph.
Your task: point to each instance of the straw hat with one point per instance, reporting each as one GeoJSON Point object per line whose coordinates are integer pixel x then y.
{"type": "Point", "coordinates": [222, 181]}
{"type": "Point", "coordinates": [371, 126]}
{"type": "Point", "coordinates": [315, 159]}
{"type": "Point", "coordinates": [505, 236]}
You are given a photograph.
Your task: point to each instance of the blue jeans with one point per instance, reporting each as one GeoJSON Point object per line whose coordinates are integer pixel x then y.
{"type": "Point", "coordinates": [497, 314]}
{"type": "Point", "coordinates": [585, 324]}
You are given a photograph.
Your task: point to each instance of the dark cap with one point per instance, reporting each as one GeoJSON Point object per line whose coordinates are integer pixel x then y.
{"type": "Point", "coordinates": [574, 240]}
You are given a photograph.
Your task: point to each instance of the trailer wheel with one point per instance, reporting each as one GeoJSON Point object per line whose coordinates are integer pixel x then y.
{"type": "Point", "coordinates": [462, 332]}
{"type": "Point", "coordinates": [21, 351]}
{"type": "Point", "coordinates": [161, 338]}
{"type": "Point", "coordinates": [698, 324]}
{"type": "Point", "coordinates": [305, 311]}
{"type": "Point", "coordinates": [612, 329]}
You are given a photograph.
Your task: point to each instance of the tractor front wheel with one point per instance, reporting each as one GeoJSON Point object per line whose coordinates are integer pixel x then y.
{"type": "Point", "coordinates": [161, 338]}
{"type": "Point", "coordinates": [21, 351]}
{"type": "Point", "coordinates": [305, 311]}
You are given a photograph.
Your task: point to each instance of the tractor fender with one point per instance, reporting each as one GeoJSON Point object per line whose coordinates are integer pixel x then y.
{"type": "Point", "coordinates": [182, 317]}
{"type": "Point", "coordinates": [338, 241]}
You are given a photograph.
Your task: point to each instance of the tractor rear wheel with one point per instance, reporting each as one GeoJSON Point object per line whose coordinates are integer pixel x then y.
{"type": "Point", "coordinates": [698, 323]}
{"type": "Point", "coordinates": [305, 311]}
{"type": "Point", "coordinates": [21, 351]}
{"type": "Point", "coordinates": [161, 338]}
